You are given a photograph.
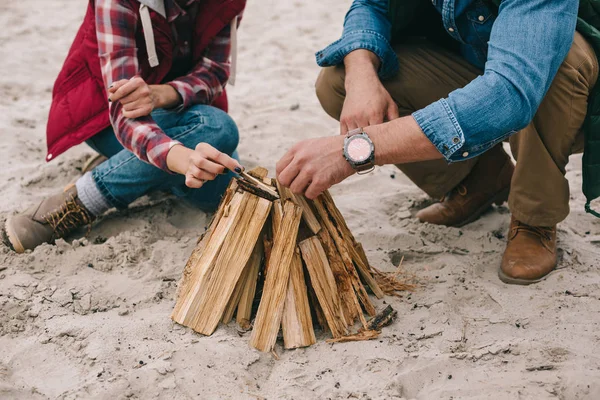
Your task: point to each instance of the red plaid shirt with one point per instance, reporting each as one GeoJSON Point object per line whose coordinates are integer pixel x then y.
{"type": "Point", "coordinates": [116, 24]}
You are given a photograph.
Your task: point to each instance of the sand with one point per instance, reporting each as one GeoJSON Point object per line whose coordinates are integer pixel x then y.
{"type": "Point", "coordinates": [88, 318]}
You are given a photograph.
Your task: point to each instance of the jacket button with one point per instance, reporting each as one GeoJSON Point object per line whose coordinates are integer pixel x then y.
{"type": "Point", "coordinates": [456, 140]}
{"type": "Point", "coordinates": [50, 156]}
{"type": "Point", "coordinates": [450, 29]}
{"type": "Point", "coordinates": [481, 18]}
{"type": "Point", "coordinates": [466, 154]}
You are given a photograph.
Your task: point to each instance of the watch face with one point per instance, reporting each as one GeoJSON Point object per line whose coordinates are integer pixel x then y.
{"type": "Point", "coordinates": [359, 149]}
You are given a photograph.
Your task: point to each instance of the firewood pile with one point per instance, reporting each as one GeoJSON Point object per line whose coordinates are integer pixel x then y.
{"type": "Point", "coordinates": [284, 262]}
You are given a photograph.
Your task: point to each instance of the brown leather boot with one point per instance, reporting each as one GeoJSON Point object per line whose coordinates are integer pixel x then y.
{"type": "Point", "coordinates": [488, 183]}
{"type": "Point", "coordinates": [53, 218]}
{"type": "Point", "coordinates": [530, 254]}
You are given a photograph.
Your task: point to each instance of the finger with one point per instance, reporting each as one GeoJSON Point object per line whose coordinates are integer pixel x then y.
{"type": "Point", "coordinates": [315, 189]}
{"type": "Point", "coordinates": [375, 119]}
{"type": "Point", "coordinates": [301, 182]}
{"type": "Point", "coordinates": [126, 89]}
{"type": "Point", "coordinates": [134, 105]}
{"type": "Point", "coordinates": [192, 182]}
{"type": "Point", "coordinates": [117, 85]}
{"type": "Point", "coordinates": [201, 174]}
{"type": "Point", "coordinates": [352, 124]}
{"type": "Point", "coordinates": [283, 163]}
{"type": "Point", "coordinates": [220, 158]}
{"type": "Point", "coordinates": [142, 93]}
{"type": "Point", "coordinates": [343, 128]}
{"type": "Point", "coordinates": [208, 166]}
{"type": "Point", "coordinates": [138, 113]}
{"type": "Point", "coordinates": [287, 176]}
{"type": "Point", "coordinates": [393, 112]}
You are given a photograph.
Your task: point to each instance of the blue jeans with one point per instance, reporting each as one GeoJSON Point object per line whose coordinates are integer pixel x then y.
{"type": "Point", "coordinates": [124, 178]}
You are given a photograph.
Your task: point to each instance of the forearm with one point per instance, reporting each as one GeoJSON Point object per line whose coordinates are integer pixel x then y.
{"type": "Point", "coordinates": [360, 65]}
{"type": "Point", "coordinates": [401, 141]}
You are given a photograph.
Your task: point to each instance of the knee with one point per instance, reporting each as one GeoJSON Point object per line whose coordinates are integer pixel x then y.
{"type": "Point", "coordinates": [216, 128]}
{"type": "Point", "coordinates": [229, 138]}
{"type": "Point", "coordinates": [330, 90]}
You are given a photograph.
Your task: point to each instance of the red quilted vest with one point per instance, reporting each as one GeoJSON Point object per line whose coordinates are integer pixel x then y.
{"type": "Point", "coordinates": [79, 100]}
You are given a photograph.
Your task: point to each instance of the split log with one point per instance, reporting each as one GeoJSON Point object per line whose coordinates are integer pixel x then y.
{"type": "Point", "coordinates": [357, 254]}
{"type": "Point", "coordinates": [270, 310]}
{"type": "Point", "coordinates": [297, 324]}
{"type": "Point", "coordinates": [244, 292]}
{"type": "Point", "coordinates": [182, 287]}
{"type": "Point", "coordinates": [343, 280]}
{"type": "Point", "coordinates": [209, 300]}
{"type": "Point", "coordinates": [308, 215]}
{"type": "Point", "coordinates": [323, 282]}
{"type": "Point", "coordinates": [328, 222]}
{"type": "Point", "coordinates": [200, 267]}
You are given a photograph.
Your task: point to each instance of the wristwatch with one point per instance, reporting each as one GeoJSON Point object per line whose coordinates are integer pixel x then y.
{"type": "Point", "coordinates": [359, 151]}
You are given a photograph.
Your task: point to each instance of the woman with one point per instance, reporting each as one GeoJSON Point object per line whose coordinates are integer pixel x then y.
{"type": "Point", "coordinates": [143, 85]}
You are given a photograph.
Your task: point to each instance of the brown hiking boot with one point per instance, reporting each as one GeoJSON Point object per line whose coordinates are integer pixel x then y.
{"type": "Point", "coordinates": [488, 183]}
{"type": "Point", "coordinates": [530, 254]}
{"type": "Point", "coordinates": [53, 218]}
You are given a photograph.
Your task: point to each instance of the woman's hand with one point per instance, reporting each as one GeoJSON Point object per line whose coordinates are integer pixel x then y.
{"type": "Point", "coordinates": [139, 99]}
{"type": "Point", "coordinates": [203, 164]}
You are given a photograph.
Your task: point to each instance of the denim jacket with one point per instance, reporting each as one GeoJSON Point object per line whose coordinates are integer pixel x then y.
{"type": "Point", "coordinates": [520, 50]}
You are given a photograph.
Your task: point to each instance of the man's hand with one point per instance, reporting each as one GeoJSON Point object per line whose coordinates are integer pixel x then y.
{"type": "Point", "coordinates": [367, 101]}
{"type": "Point", "coordinates": [139, 99]}
{"type": "Point", "coordinates": [313, 166]}
{"type": "Point", "coordinates": [203, 164]}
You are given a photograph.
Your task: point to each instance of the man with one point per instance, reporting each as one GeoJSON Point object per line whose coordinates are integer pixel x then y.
{"type": "Point", "coordinates": [143, 85]}
{"type": "Point", "coordinates": [435, 87]}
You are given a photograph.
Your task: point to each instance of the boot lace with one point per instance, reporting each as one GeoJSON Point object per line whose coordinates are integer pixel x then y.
{"type": "Point", "coordinates": [460, 189]}
{"type": "Point", "coordinates": [70, 216]}
{"type": "Point", "coordinates": [540, 231]}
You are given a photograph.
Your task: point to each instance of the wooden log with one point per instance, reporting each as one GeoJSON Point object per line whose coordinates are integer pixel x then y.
{"type": "Point", "coordinates": [328, 222]}
{"type": "Point", "coordinates": [296, 323]}
{"type": "Point", "coordinates": [258, 187]}
{"type": "Point", "coordinates": [244, 309]}
{"type": "Point", "coordinates": [315, 306]}
{"type": "Point", "coordinates": [246, 285]}
{"type": "Point", "coordinates": [182, 287]}
{"type": "Point", "coordinates": [358, 255]}
{"type": "Point", "coordinates": [270, 311]}
{"type": "Point", "coordinates": [211, 298]}
{"type": "Point", "coordinates": [259, 173]}
{"type": "Point", "coordinates": [201, 266]}
{"type": "Point", "coordinates": [343, 280]}
{"type": "Point", "coordinates": [323, 282]}
{"type": "Point", "coordinates": [308, 215]}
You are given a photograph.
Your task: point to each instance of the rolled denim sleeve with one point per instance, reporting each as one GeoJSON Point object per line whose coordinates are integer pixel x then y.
{"type": "Point", "coordinates": [529, 41]}
{"type": "Point", "coordinates": [366, 26]}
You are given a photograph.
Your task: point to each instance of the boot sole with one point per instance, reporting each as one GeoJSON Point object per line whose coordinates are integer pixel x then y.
{"type": "Point", "coordinates": [517, 281]}
{"type": "Point", "coordinates": [11, 238]}
{"type": "Point", "coordinates": [498, 199]}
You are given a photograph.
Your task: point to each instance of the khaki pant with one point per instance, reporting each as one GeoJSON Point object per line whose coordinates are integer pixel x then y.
{"type": "Point", "coordinates": [539, 192]}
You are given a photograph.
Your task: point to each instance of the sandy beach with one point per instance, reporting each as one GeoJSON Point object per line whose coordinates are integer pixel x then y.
{"type": "Point", "coordinates": [88, 318]}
